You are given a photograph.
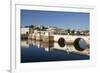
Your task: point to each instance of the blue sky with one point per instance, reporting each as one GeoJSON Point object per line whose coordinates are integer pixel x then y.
{"type": "Point", "coordinates": [66, 20]}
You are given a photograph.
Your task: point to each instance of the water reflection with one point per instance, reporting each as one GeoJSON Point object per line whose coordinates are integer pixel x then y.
{"type": "Point", "coordinates": [38, 51]}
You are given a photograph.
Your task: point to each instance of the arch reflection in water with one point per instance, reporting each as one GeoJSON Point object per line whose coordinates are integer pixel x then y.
{"type": "Point", "coordinates": [54, 45]}
{"type": "Point", "coordinates": [38, 51]}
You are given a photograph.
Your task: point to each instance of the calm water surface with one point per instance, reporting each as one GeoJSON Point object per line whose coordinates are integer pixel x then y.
{"type": "Point", "coordinates": [36, 51]}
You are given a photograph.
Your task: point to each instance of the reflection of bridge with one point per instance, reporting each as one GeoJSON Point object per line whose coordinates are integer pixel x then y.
{"type": "Point", "coordinates": [70, 48]}
{"type": "Point", "coordinates": [50, 46]}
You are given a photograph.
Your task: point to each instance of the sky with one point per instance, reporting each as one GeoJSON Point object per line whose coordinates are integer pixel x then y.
{"type": "Point", "coordinates": [65, 20]}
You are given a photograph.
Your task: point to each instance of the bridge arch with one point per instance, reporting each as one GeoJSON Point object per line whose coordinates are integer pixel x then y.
{"type": "Point", "coordinates": [80, 44]}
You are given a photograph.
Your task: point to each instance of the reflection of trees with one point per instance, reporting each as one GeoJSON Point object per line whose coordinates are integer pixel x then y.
{"type": "Point", "coordinates": [24, 36]}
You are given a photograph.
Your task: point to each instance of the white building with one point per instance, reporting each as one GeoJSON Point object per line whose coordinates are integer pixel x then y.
{"type": "Point", "coordinates": [24, 30]}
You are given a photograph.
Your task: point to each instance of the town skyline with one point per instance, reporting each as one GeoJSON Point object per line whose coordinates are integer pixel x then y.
{"type": "Point", "coordinates": [64, 20]}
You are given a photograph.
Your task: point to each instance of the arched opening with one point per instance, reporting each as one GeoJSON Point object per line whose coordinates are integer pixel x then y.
{"type": "Point", "coordinates": [80, 44]}
{"type": "Point", "coordinates": [61, 42]}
